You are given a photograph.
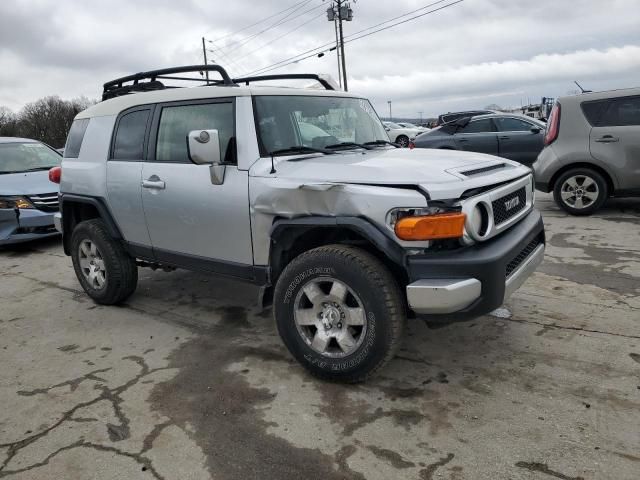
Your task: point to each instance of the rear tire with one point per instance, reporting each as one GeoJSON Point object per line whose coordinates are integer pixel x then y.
{"type": "Point", "coordinates": [580, 191]}
{"type": "Point", "coordinates": [340, 312]}
{"type": "Point", "coordinates": [103, 267]}
{"type": "Point", "coordinates": [403, 141]}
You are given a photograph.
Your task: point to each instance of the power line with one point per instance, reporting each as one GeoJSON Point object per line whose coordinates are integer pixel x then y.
{"type": "Point", "coordinates": [283, 35]}
{"type": "Point", "coordinates": [256, 23]}
{"type": "Point", "coordinates": [351, 38]}
{"type": "Point", "coordinates": [404, 21]}
{"type": "Point", "coordinates": [287, 18]}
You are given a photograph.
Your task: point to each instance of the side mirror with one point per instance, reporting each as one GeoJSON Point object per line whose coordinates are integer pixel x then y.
{"type": "Point", "coordinates": [535, 130]}
{"type": "Point", "coordinates": [203, 147]}
{"type": "Point", "coordinates": [387, 129]}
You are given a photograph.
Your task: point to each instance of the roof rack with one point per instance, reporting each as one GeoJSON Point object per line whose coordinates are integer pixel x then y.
{"type": "Point", "coordinates": [117, 87]}
{"type": "Point", "coordinates": [292, 76]}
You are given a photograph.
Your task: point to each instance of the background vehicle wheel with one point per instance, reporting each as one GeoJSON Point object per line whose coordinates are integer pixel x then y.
{"type": "Point", "coordinates": [105, 270]}
{"type": "Point", "coordinates": [339, 311]}
{"type": "Point", "coordinates": [580, 191]}
{"type": "Point", "coordinates": [403, 141]}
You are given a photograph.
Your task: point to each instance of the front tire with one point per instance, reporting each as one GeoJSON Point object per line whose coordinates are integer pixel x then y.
{"type": "Point", "coordinates": [580, 191]}
{"type": "Point", "coordinates": [103, 267]}
{"type": "Point", "coordinates": [340, 313]}
{"type": "Point", "coordinates": [403, 141]}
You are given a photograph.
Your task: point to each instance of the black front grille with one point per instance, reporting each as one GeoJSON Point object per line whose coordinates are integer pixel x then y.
{"type": "Point", "coordinates": [522, 256]}
{"type": "Point", "coordinates": [46, 202]}
{"type": "Point", "coordinates": [506, 207]}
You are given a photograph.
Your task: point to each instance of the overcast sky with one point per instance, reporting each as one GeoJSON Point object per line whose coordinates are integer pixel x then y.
{"type": "Point", "coordinates": [470, 55]}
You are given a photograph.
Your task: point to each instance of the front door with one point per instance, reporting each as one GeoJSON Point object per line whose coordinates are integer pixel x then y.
{"type": "Point", "coordinates": [192, 222]}
{"type": "Point", "coordinates": [478, 136]}
{"type": "Point", "coordinates": [615, 139]}
{"type": "Point", "coordinates": [517, 141]}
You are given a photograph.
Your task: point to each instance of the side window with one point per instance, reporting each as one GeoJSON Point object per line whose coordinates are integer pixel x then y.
{"type": "Point", "coordinates": [129, 140]}
{"type": "Point", "coordinates": [478, 126]}
{"type": "Point", "coordinates": [176, 122]}
{"type": "Point", "coordinates": [593, 111]}
{"type": "Point", "coordinates": [622, 112]}
{"type": "Point", "coordinates": [75, 137]}
{"type": "Point", "coordinates": [508, 124]}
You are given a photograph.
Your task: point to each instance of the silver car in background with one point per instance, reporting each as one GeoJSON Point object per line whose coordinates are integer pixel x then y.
{"type": "Point", "coordinates": [28, 199]}
{"type": "Point", "coordinates": [592, 150]}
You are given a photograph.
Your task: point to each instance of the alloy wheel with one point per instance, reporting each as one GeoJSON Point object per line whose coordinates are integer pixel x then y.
{"type": "Point", "coordinates": [330, 317]}
{"type": "Point", "coordinates": [92, 264]}
{"type": "Point", "coordinates": [579, 191]}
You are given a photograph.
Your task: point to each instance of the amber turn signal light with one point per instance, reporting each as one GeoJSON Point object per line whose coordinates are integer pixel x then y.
{"type": "Point", "coordinates": [431, 227]}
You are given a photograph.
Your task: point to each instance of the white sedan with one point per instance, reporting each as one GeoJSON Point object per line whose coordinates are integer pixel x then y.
{"type": "Point", "coordinates": [411, 125]}
{"type": "Point", "coordinates": [401, 135]}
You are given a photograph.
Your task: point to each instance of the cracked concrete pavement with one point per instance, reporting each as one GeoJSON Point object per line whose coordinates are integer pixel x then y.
{"type": "Point", "coordinates": [189, 381]}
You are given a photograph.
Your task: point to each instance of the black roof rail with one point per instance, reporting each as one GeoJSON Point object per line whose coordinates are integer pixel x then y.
{"type": "Point", "coordinates": [291, 76]}
{"type": "Point", "coordinates": [117, 87]}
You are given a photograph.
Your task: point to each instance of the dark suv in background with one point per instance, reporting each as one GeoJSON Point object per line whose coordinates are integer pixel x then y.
{"type": "Point", "coordinates": [592, 150]}
{"type": "Point", "coordinates": [453, 116]}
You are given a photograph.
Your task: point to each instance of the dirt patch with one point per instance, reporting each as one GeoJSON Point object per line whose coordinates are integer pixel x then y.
{"type": "Point", "coordinates": [221, 412]}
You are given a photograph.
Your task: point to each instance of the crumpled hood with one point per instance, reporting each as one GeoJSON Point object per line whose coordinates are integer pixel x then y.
{"type": "Point", "coordinates": [28, 183]}
{"type": "Point", "coordinates": [389, 166]}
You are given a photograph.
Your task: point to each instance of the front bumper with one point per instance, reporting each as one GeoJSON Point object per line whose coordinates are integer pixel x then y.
{"type": "Point", "coordinates": [30, 224]}
{"type": "Point", "coordinates": [465, 284]}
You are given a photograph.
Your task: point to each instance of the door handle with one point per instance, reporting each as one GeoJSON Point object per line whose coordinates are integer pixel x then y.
{"type": "Point", "coordinates": [462, 140]}
{"type": "Point", "coordinates": [157, 184]}
{"type": "Point", "coordinates": [504, 137]}
{"type": "Point", "coordinates": [607, 139]}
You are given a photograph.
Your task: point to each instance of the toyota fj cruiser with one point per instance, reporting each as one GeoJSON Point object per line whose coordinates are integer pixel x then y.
{"type": "Point", "coordinates": [300, 191]}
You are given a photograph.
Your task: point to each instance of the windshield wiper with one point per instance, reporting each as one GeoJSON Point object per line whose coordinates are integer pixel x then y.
{"type": "Point", "coordinates": [382, 142]}
{"type": "Point", "coordinates": [301, 149]}
{"type": "Point", "coordinates": [349, 144]}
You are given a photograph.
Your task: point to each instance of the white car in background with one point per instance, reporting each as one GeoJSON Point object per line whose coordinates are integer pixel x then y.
{"type": "Point", "coordinates": [399, 134]}
{"type": "Point", "coordinates": [413, 126]}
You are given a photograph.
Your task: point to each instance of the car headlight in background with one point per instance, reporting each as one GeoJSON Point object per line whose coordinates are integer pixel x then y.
{"type": "Point", "coordinates": [15, 202]}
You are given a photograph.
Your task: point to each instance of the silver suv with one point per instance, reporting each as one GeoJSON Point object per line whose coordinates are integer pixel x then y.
{"type": "Point", "coordinates": [301, 192]}
{"type": "Point", "coordinates": [592, 150]}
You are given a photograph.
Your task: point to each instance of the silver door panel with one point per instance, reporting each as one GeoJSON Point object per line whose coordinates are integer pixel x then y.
{"type": "Point", "coordinates": [191, 216]}
{"type": "Point", "coordinates": [125, 201]}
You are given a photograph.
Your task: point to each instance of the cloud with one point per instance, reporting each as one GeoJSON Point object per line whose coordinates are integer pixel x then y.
{"type": "Point", "coordinates": [467, 56]}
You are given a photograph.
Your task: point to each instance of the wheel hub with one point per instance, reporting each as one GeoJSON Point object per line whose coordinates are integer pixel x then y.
{"type": "Point", "coordinates": [331, 316]}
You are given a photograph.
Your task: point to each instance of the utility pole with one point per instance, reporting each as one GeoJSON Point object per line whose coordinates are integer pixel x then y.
{"type": "Point", "coordinates": [204, 52]}
{"type": "Point", "coordinates": [338, 12]}
{"type": "Point", "coordinates": [390, 116]}
{"type": "Point", "coordinates": [335, 26]}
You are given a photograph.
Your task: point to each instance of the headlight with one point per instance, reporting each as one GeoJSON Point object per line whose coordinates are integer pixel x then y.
{"type": "Point", "coordinates": [15, 202]}
{"type": "Point", "coordinates": [431, 223]}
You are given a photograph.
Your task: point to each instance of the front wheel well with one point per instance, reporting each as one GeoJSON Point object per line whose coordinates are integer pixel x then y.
{"type": "Point", "coordinates": [566, 168]}
{"type": "Point", "coordinates": [295, 241]}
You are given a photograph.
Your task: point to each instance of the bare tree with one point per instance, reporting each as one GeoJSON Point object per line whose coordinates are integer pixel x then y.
{"type": "Point", "coordinates": [47, 119]}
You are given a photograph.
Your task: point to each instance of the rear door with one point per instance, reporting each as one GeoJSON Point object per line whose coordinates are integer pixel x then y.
{"type": "Point", "coordinates": [517, 141]}
{"type": "Point", "coordinates": [478, 136]}
{"type": "Point", "coordinates": [124, 170]}
{"type": "Point", "coordinates": [615, 137]}
{"type": "Point", "coordinates": [191, 221]}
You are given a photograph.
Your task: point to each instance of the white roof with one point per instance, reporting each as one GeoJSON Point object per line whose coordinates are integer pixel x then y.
{"type": "Point", "coordinates": [118, 104]}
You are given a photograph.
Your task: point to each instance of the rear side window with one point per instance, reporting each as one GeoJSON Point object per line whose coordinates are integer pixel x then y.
{"type": "Point", "coordinates": [478, 126]}
{"type": "Point", "coordinates": [75, 137]}
{"type": "Point", "coordinates": [176, 123]}
{"type": "Point", "coordinates": [509, 124]}
{"type": "Point", "coordinates": [130, 133]}
{"type": "Point", "coordinates": [615, 112]}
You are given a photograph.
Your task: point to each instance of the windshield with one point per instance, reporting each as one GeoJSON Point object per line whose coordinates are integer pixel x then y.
{"type": "Point", "coordinates": [315, 122]}
{"type": "Point", "coordinates": [392, 125]}
{"type": "Point", "coordinates": [25, 157]}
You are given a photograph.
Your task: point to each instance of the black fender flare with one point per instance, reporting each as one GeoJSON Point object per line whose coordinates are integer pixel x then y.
{"type": "Point", "coordinates": [67, 200]}
{"type": "Point", "coordinates": [285, 231]}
